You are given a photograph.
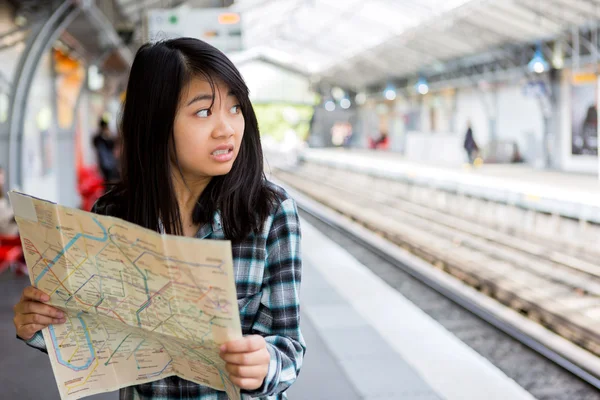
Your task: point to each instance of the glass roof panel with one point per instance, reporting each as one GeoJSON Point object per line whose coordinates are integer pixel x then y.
{"type": "Point", "coordinates": [322, 33]}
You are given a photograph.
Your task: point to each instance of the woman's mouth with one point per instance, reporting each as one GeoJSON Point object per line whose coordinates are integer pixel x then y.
{"type": "Point", "coordinates": [222, 155]}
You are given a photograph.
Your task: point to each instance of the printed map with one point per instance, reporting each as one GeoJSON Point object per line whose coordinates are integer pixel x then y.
{"type": "Point", "coordinates": [140, 306]}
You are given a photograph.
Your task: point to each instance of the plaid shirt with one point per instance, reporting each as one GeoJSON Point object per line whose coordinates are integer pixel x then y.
{"type": "Point", "coordinates": [267, 275]}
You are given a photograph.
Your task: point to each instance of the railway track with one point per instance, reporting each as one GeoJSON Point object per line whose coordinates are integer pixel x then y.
{"type": "Point", "coordinates": [543, 378]}
{"type": "Point", "coordinates": [553, 286]}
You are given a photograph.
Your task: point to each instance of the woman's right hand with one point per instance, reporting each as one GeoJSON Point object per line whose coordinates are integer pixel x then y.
{"type": "Point", "coordinates": [32, 315]}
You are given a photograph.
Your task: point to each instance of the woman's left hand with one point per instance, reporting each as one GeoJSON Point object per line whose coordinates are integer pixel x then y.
{"type": "Point", "coordinates": [247, 361]}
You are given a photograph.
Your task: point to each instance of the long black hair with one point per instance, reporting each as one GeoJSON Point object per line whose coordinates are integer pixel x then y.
{"type": "Point", "coordinates": [145, 195]}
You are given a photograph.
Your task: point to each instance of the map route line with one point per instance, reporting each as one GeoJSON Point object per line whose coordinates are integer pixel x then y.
{"type": "Point", "coordinates": [73, 386]}
{"type": "Point", "coordinates": [73, 296]}
{"type": "Point", "coordinates": [81, 270]}
{"type": "Point", "coordinates": [155, 254]}
{"type": "Point", "coordinates": [30, 246]}
{"type": "Point", "coordinates": [158, 373]}
{"type": "Point", "coordinates": [117, 349]}
{"type": "Point", "coordinates": [68, 276]}
{"type": "Point", "coordinates": [132, 263]}
{"type": "Point", "coordinates": [149, 301]}
{"type": "Point", "coordinates": [74, 353]}
{"type": "Point", "coordinates": [60, 283]}
{"type": "Point", "coordinates": [96, 259]}
{"type": "Point", "coordinates": [162, 323]}
{"type": "Point", "coordinates": [121, 302]}
{"type": "Point", "coordinates": [68, 333]}
{"type": "Point", "coordinates": [68, 246]}
{"type": "Point", "coordinates": [84, 283]}
{"type": "Point", "coordinates": [164, 258]}
{"type": "Point", "coordinates": [68, 362]}
{"type": "Point", "coordinates": [136, 349]}
{"type": "Point", "coordinates": [203, 295]}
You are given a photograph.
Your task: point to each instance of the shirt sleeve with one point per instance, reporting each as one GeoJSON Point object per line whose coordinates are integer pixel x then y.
{"type": "Point", "coordinates": [36, 341]}
{"type": "Point", "coordinates": [278, 318]}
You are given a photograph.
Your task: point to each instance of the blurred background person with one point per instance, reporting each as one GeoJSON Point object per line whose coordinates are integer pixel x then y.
{"type": "Point", "coordinates": [107, 148]}
{"type": "Point", "coordinates": [470, 145]}
{"type": "Point", "coordinates": [382, 142]}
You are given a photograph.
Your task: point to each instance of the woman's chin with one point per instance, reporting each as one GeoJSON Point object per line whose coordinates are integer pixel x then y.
{"type": "Point", "coordinates": [221, 170]}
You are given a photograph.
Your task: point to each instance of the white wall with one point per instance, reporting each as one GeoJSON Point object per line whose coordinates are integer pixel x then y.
{"type": "Point", "coordinates": [569, 162]}
{"type": "Point", "coordinates": [437, 112]}
{"type": "Point", "coordinates": [269, 83]}
{"type": "Point", "coordinates": [368, 122]}
{"type": "Point", "coordinates": [39, 156]}
{"type": "Point", "coordinates": [435, 148]}
{"type": "Point", "coordinates": [520, 119]}
{"type": "Point", "coordinates": [9, 59]}
{"type": "Point", "coordinates": [9, 56]}
{"type": "Point", "coordinates": [470, 107]}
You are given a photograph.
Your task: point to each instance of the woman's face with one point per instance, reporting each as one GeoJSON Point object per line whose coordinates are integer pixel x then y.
{"type": "Point", "coordinates": [207, 139]}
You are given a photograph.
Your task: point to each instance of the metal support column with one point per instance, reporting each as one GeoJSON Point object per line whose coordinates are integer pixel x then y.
{"type": "Point", "coordinates": [550, 112]}
{"type": "Point", "coordinates": [490, 104]}
{"type": "Point", "coordinates": [42, 37]}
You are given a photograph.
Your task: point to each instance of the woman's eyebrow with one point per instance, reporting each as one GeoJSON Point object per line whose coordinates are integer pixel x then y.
{"type": "Point", "coordinates": [200, 97]}
{"type": "Point", "coordinates": [206, 96]}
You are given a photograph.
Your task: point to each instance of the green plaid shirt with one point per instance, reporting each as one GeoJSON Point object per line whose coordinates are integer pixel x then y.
{"type": "Point", "coordinates": [267, 275]}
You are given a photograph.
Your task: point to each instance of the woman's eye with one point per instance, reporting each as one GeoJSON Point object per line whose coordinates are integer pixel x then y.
{"type": "Point", "coordinates": [235, 109]}
{"type": "Point", "coordinates": [203, 113]}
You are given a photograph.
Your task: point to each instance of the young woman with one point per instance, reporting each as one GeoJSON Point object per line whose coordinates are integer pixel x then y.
{"type": "Point", "coordinates": [193, 165]}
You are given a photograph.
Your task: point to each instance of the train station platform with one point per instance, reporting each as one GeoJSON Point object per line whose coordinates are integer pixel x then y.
{"type": "Point", "coordinates": [569, 195]}
{"type": "Point", "coordinates": [360, 345]}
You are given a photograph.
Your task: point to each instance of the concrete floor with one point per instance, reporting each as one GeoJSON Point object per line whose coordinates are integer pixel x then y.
{"type": "Point", "coordinates": [25, 372]}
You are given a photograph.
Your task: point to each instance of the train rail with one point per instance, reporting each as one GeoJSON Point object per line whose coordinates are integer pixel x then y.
{"type": "Point", "coordinates": [549, 285]}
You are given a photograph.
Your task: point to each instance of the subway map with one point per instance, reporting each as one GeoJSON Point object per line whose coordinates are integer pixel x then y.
{"type": "Point", "coordinates": [140, 306]}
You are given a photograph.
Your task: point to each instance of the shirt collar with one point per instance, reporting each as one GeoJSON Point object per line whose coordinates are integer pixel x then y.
{"type": "Point", "coordinates": [209, 229]}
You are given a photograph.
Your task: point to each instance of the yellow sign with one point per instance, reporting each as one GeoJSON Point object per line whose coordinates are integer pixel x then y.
{"type": "Point", "coordinates": [229, 18]}
{"type": "Point", "coordinates": [583, 78]}
{"type": "Point", "coordinates": [70, 76]}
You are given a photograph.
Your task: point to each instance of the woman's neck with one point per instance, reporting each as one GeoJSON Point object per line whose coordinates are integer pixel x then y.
{"type": "Point", "coordinates": [187, 193]}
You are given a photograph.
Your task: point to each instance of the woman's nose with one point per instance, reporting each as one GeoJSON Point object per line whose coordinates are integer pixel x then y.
{"type": "Point", "coordinates": [223, 129]}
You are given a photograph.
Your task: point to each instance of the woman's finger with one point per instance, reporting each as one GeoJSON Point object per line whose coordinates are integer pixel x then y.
{"type": "Point", "coordinates": [246, 383]}
{"type": "Point", "coordinates": [33, 293]}
{"type": "Point", "coordinates": [260, 357]}
{"type": "Point", "coordinates": [38, 319]}
{"type": "Point", "coordinates": [247, 344]}
{"type": "Point", "coordinates": [28, 324]}
{"type": "Point", "coordinates": [247, 371]}
{"type": "Point", "coordinates": [34, 307]}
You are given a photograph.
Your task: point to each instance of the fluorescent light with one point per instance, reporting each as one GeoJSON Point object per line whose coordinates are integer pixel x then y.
{"type": "Point", "coordinates": [360, 98]}
{"type": "Point", "coordinates": [422, 86]}
{"type": "Point", "coordinates": [95, 78]}
{"type": "Point", "coordinates": [538, 63]}
{"type": "Point", "coordinates": [390, 94]}
{"type": "Point", "coordinates": [337, 93]}
{"type": "Point", "coordinates": [558, 55]}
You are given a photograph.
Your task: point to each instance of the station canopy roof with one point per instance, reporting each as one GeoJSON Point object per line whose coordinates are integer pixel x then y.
{"type": "Point", "coordinates": [355, 43]}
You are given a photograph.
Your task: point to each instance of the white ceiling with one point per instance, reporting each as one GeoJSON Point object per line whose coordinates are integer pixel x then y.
{"type": "Point", "coordinates": [316, 34]}
{"type": "Point", "coordinates": [355, 43]}
{"type": "Point", "coordinates": [358, 42]}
